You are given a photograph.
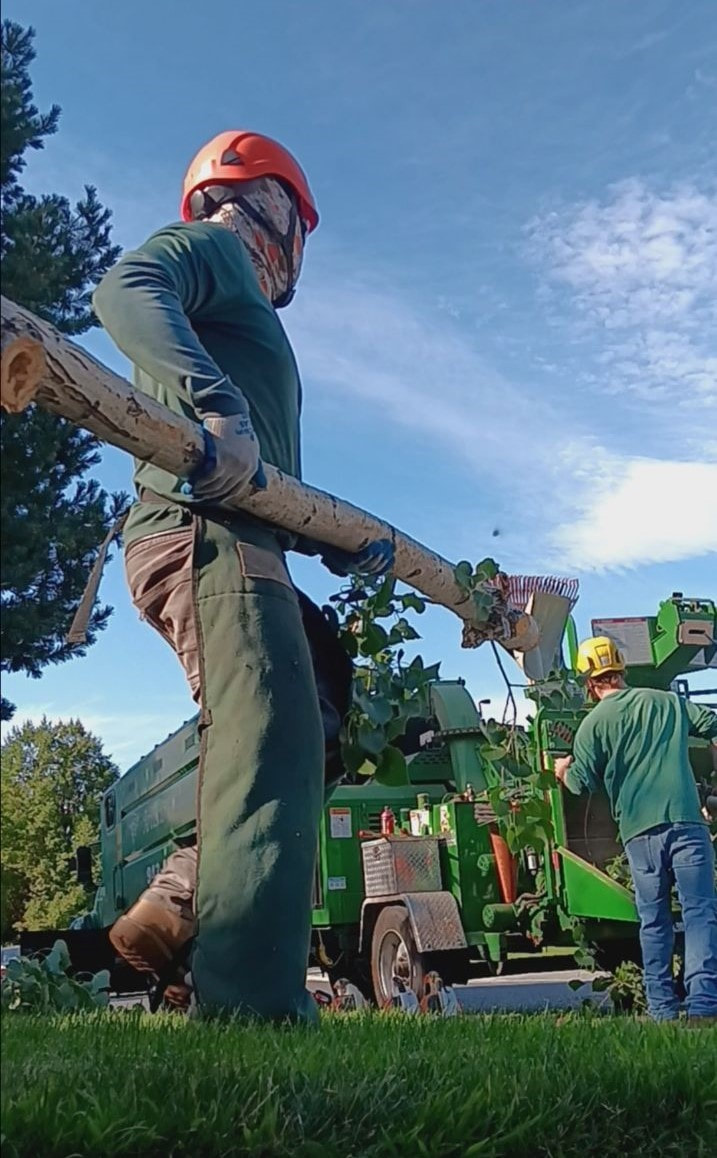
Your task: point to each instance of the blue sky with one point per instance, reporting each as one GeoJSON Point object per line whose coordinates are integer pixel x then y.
{"type": "Point", "coordinates": [506, 318]}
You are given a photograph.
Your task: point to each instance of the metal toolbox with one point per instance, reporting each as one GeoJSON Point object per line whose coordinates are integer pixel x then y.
{"type": "Point", "coordinates": [401, 864]}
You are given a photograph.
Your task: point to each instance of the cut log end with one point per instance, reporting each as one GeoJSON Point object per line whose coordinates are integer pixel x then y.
{"type": "Point", "coordinates": [23, 365]}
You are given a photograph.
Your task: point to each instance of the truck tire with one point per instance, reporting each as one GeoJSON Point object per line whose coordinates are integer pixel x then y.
{"type": "Point", "coordinates": [394, 954]}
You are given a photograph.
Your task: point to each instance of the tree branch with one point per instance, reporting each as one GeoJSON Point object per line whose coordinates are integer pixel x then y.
{"type": "Point", "coordinates": [41, 365]}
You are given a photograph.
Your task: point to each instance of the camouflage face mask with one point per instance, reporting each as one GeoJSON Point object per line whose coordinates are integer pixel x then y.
{"type": "Point", "coordinates": [265, 218]}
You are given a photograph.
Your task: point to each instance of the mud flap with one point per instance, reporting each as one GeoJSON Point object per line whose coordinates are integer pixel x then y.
{"type": "Point", "coordinates": [435, 920]}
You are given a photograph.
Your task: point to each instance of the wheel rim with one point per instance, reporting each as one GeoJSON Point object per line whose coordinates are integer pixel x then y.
{"type": "Point", "coordinates": [394, 960]}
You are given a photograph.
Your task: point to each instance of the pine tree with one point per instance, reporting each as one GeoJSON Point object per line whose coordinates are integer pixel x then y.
{"type": "Point", "coordinates": [53, 777]}
{"type": "Point", "coordinates": [53, 518]}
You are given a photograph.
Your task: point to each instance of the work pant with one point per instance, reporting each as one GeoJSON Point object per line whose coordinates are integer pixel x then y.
{"type": "Point", "coordinates": [223, 599]}
{"type": "Point", "coordinates": [679, 854]}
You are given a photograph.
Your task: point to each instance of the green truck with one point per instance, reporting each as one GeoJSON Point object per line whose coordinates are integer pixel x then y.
{"type": "Point", "coordinates": [457, 886]}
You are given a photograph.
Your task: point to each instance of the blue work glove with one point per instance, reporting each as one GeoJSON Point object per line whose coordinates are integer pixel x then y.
{"type": "Point", "coordinates": [231, 465]}
{"type": "Point", "coordinates": [372, 562]}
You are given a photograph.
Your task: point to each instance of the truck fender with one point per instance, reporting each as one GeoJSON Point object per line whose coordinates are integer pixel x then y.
{"type": "Point", "coordinates": [435, 920]}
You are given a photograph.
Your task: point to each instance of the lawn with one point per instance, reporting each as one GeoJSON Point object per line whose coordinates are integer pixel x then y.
{"type": "Point", "coordinates": [127, 1083]}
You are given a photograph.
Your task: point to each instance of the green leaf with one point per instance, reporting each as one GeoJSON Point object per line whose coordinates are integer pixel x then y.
{"type": "Point", "coordinates": [513, 840]}
{"type": "Point", "coordinates": [463, 573]}
{"type": "Point", "coordinates": [500, 807]}
{"type": "Point", "coordinates": [65, 996]}
{"type": "Point", "coordinates": [382, 599]}
{"type": "Point", "coordinates": [374, 640]}
{"type": "Point", "coordinates": [350, 643]}
{"type": "Point", "coordinates": [406, 630]}
{"type": "Point", "coordinates": [416, 675]}
{"type": "Point", "coordinates": [100, 981]}
{"type": "Point", "coordinates": [414, 603]}
{"type": "Point", "coordinates": [395, 728]}
{"type": "Point", "coordinates": [57, 959]}
{"type": "Point", "coordinates": [60, 947]}
{"type": "Point", "coordinates": [372, 740]}
{"type": "Point", "coordinates": [391, 768]}
{"type": "Point", "coordinates": [584, 959]}
{"type": "Point", "coordinates": [368, 768]}
{"type": "Point", "coordinates": [602, 984]}
{"type": "Point", "coordinates": [352, 756]}
{"type": "Point", "coordinates": [378, 709]}
{"type": "Point", "coordinates": [385, 612]}
{"type": "Point", "coordinates": [482, 604]}
{"type": "Point", "coordinates": [486, 569]}
{"type": "Point", "coordinates": [493, 754]}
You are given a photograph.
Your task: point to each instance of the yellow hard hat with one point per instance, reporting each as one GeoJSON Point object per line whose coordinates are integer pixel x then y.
{"type": "Point", "coordinates": [598, 656]}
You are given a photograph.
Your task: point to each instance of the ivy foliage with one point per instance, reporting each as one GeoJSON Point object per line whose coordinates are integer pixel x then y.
{"type": "Point", "coordinates": [44, 985]}
{"type": "Point", "coordinates": [478, 584]}
{"type": "Point", "coordinates": [389, 690]}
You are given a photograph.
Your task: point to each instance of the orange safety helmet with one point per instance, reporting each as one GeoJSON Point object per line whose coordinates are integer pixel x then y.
{"type": "Point", "coordinates": [242, 156]}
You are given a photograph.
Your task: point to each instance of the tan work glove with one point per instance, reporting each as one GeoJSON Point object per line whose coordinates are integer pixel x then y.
{"type": "Point", "coordinates": [233, 465]}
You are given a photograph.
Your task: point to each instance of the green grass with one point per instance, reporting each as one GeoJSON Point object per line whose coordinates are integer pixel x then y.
{"type": "Point", "coordinates": [126, 1083]}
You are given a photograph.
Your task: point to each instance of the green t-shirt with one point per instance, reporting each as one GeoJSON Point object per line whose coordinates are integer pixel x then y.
{"type": "Point", "coordinates": [634, 742]}
{"type": "Point", "coordinates": [187, 310]}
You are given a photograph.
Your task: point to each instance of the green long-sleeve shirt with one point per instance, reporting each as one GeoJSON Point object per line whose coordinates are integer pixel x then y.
{"type": "Point", "coordinates": [187, 310]}
{"type": "Point", "coordinates": [634, 742]}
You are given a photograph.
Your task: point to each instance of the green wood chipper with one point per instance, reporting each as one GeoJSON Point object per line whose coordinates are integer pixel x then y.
{"type": "Point", "coordinates": [463, 880]}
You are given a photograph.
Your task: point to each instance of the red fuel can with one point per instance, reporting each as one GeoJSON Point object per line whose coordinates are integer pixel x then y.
{"type": "Point", "coordinates": [388, 822]}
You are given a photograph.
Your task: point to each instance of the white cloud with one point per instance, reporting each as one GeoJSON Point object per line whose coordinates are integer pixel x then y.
{"type": "Point", "coordinates": [643, 510]}
{"type": "Point", "coordinates": [641, 267]}
{"type": "Point", "coordinates": [573, 504]}
{"type": "Point", "coordinates": [634, 276]}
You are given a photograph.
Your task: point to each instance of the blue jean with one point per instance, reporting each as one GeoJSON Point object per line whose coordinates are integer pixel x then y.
{"type": "Point", "coordinates": [679, 854]}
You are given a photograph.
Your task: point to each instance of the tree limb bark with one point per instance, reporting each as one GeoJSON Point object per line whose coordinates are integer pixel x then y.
{"type": "Point", "coordinates": [39, 364]}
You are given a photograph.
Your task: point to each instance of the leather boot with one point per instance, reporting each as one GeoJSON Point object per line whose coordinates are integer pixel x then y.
{"type": "Point", "coordinates": [150, 935]}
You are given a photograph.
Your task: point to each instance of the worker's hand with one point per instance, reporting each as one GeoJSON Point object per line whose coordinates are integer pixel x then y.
{"type": "Point", "coordinates": [372, 562]}
{"type": "Point", "coordinates": [561, 765]}
{"type": "Point", "coordinates": [232, 465]}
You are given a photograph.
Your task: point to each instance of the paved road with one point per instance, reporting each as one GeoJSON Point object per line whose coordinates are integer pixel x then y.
{"type": "Point", "coordinates": [529, 992]}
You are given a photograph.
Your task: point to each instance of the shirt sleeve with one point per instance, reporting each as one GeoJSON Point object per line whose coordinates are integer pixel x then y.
{"type": "Point", "coordinates": [147, 303]}
{"type": "Point", "coordinates": [586, 770]}
{"type": "Point", "coordinates": [702, 721]}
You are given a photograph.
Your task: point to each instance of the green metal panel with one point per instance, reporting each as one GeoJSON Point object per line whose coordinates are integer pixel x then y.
{"type": "Point", "coordinates": [571, 638]}
{"type": "Point", "coordinates": [350, 811]}
{"type": "Point", "coordinates": [553, 731]}
{"type": "Point", "coordinates": [467, 863]}
{"type": "Point", "coordinates": [680, 632]}
{"type": "Point", "coordinates": [459, 722]}
{"type": "Point", "coordinates": [590, 893]}
{"type": "Point", "coordinates": [142, 815]}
